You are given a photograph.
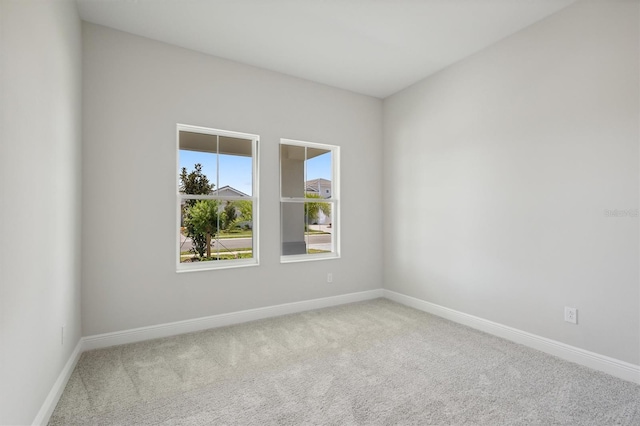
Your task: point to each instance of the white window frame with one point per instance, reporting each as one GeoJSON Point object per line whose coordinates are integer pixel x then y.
{"type": "Point", "coordinates": [334, 200]}
{"type": "Point", "coordinates": [225, 264]}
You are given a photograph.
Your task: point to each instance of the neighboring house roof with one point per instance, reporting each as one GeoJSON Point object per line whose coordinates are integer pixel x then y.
{"type": "Point", "coordinates": [229, 190]}
{"type": "Point", "coordinates": [316, 183]}
{"type": "Point", "coordinates": [319, 186]}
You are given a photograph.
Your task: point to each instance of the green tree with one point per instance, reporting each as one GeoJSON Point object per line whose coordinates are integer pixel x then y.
{"type": "Point", "coordinates": [197, 221]}
{"type": "Point", "coordinates": [194, 183]}
{"type": "Point", "coordinates": [236, 213]}
{"type": "Point", "coordinates": [201, 222]}
{"type": "Point", "coordinates": [229, 216]}
{"type": "Point", "coordinates": [245, 207]}
{"type": "Point", "coordinates": [312, 209]}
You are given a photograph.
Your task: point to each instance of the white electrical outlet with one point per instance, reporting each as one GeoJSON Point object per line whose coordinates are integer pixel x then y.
{"type": "Point", "coordinates": [571, 315]}
{"type": "Point", "coordinates": [329, 277]}
{"type": "Point", "coordinates": [62, 335]}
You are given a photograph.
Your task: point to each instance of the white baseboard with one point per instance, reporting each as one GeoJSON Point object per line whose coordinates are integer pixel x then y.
{"type": "Point", "coordinates": [42, 418]}
{"type": "Point", "coordinates": [615, 367]}
{"type": "Point", "coordinates": [198, 324]}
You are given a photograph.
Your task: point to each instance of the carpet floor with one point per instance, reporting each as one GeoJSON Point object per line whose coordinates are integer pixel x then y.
{"type": "Point", "coordinates": [368, 363]}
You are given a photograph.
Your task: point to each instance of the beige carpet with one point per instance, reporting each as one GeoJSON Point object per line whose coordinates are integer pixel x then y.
{"type": "Point", "coordinates": [369, 363]}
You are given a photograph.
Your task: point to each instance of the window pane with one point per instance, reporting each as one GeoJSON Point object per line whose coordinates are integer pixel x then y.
{"type": "Point", "coordinates": [226, 225]}
{"type": "Point", "coordinates": [235, 236]}
{"type": "Point", "coordinates": [197, 172]}
{"type": "Point", "coordinates": [198, 162]}
{"type": "Point", "coordinates": [306, 227]}
{"type": "Point", "coordinates": [235, 165]}
{"type": "Point", "coordinates": [319, 172]}
{"type": "Point", "coordinates": [292, 228]}
{"type": "Point", "coordinates": [198, 227]}
{"type": "Point", "coordinates": [319, 235]}
{"type": "Point", "coordinates": [292, 176]}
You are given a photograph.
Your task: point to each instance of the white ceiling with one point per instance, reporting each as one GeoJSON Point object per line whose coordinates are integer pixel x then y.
{"type": "Point", "coordinates": [373, 47]}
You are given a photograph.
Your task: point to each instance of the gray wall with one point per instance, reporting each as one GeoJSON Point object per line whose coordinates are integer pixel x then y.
{"type": "Point", "coordinates": [40, 196]}
{"type": "Point", "coordinates": [505, 163]}
{"type": "Point", "coordinates": [135, 91]}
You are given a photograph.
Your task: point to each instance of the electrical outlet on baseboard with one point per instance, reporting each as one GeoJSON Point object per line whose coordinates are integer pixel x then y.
{"type": "Point", "coordinates": [571, 315]}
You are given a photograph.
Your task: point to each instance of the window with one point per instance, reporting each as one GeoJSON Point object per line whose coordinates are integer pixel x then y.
{"type": "Point", "coordinates": [309, 201]}
{"type": "Point", "coordinates": [217, 199]}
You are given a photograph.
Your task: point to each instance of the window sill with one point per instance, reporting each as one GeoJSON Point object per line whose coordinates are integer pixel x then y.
{"type": "Point", "coordinates": [208, 266]}
{"type": "Point", "coordinates": [308, 257]}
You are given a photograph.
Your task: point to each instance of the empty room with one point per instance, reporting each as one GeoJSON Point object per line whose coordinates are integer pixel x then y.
{"type": "Point", "coordinates": [358, 212]}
